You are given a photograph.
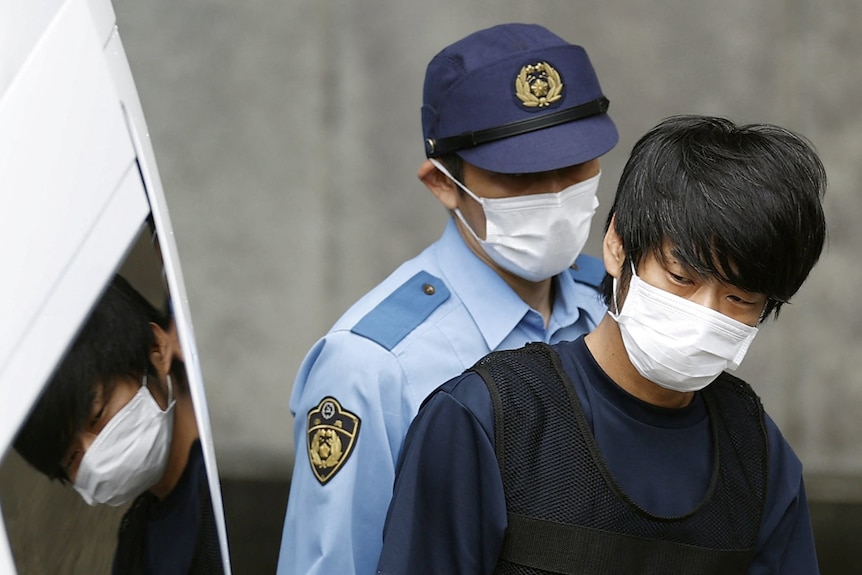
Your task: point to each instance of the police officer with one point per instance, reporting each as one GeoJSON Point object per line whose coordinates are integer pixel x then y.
{"type": "Point", "coordinates": [514, 122]}
{"type": "Point", "coordinates": [631, 450]}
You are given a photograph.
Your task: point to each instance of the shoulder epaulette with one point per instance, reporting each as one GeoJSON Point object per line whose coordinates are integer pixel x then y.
{"type": "Point", "coordinates": [403, 310]}
{"type": "Point", "coordinates": [588, 270]}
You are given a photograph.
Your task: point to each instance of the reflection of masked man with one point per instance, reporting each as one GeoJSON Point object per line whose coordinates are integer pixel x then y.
{"type": "Point", "coordinates": [117, 421]}
{"type": "Point", "coordinates": [130, 454]}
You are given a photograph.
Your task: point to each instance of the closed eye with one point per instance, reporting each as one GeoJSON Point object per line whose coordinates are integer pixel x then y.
{"type": "Point", "coordinates": [68, 465]}
{"type": "Point", "coordinates": [94, 421]}
{"type": "Point", "coordinates": [740, 300]}
{"type": "Point", "coordinates": [682, 280]}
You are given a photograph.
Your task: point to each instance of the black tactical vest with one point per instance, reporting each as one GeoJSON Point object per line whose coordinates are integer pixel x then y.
{"type": "Point", "coordinates": [567, 514]}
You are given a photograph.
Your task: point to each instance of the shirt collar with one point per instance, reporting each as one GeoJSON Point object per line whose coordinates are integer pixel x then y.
{"type": "Point", "coordinates": [574, 299]}
{"type": "Point", "coordinates": [494, 306]}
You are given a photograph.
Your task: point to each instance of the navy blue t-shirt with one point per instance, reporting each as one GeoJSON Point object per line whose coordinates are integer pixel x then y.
{"type": "Point", "coordinates": [171, 527]}
{"type": "Point", "coordinates": [448, 512]}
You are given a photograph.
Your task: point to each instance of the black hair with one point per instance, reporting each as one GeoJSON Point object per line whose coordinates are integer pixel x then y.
{"type": "Point", "coordinates": [114, 342]}
{"type": "Point", "coordinates": [455, 165]}
{"type": "Point", "coordinates": [739, 203]}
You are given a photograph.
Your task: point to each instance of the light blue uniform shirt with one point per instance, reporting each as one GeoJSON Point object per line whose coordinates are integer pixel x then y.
{"type": "Point", "coordinates": [364, 381]}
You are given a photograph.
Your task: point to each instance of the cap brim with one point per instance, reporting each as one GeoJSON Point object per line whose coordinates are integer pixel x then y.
{"type": "Point", "coordinates": [547, 149]}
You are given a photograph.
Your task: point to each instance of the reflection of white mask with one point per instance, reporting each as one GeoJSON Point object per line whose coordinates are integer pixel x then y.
{"type": "Point", "coordinates": [676, 343]}
{"type": "Point", "coordinates": [535, 236]}
{"type": "Point", "coordinates": [130, 453]}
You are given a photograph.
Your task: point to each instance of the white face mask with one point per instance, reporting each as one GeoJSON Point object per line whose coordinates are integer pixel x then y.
{"type": "Point", "coordinates": [535, 236]}
{"type": "Point", "coordinates": [130, 454]}
{"type": "Point", "coordinates": [676, 343]}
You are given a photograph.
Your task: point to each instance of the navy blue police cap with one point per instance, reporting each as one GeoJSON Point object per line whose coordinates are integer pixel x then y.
{"type": "Point", "coordinates": [515, 98]}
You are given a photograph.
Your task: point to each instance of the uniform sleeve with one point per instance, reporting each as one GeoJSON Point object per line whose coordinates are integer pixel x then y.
{"type": "Point", "coordinates": [447, 513]}
{"type": "Point", "coordinates": [786, 543]}
{"type": "Point", "coordinates": [335, 525]}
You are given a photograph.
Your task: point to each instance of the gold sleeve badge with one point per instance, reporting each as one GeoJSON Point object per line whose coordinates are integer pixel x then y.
{"type": "Point", "coordinates": [330, 437]}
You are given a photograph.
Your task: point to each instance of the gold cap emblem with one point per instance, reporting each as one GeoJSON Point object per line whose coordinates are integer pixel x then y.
{"type": "Point", "coordinates": [538, 85]}
{"type": "Point", "coordinates": [330, 437]}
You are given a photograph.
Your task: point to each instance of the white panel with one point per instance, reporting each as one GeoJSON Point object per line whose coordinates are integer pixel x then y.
{"type": "Point", "coordinates": [104, 19]}
{"type": "Point", "coordinates": [128, 94]}
{"type": "Point", "coordinates": [75, 291]}
{"type": "Point", "coordinates": [7, 565]}
{"type": "Point", "coordinates": [22, 23]}
{"type": "Point", "coordinates": [65, 220]}
{"type": "Point", "coordinates": [72, 199]}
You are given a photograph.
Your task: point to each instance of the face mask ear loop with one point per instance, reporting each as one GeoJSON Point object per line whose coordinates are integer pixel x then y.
{"type": "Point", "coordinates": [457, 212]}
{"type": "Point", "coordinates": [617, 307]}
{"type": "Point", "coordinates": [616, 296]}
{"type": "Point", "coordinates": [170, 387]}
{"type": "Point", "coordinates": [440, 167]}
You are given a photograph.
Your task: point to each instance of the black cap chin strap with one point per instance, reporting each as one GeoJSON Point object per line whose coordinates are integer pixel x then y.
{"type": "Point", "coordinates": [441, 146]}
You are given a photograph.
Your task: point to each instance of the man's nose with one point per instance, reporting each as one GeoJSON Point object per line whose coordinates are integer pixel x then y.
{"type": "Point", "coordinates": [708, 296]}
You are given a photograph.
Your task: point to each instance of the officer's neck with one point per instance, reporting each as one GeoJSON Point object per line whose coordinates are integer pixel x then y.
{"type": "Point", "coordinates": [538, 295]}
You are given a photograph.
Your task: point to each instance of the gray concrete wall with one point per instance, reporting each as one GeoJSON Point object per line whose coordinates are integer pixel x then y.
{"type": "Point", "coordinates": [288, 136]}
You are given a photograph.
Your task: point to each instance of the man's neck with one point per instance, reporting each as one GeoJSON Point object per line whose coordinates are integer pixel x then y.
{"type": "Point", "coordinates": [184, 435]}
{"type": "Point", "coordinates": [606, 346]}
{"type": "Point", "coordinates": [538, 295]}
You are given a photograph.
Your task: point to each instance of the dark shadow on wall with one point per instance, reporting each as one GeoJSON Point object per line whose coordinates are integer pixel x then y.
{"type": "Point", "coordinates": [254, 511]}
{"type": "Point", "coordinates": [838, 532]}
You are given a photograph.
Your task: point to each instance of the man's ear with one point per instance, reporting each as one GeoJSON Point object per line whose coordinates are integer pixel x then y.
{"type": "Point", "coordinates": [613, 251]}
{"type": "Point", "coordinates": [165, 348]}
{"type": "Point", "coordinates": [440, 185]}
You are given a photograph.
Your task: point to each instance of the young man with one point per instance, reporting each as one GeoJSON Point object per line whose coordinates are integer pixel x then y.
{"type": "Point", "coordinates": [514, 122]}
{"type": "Point", "coordinates": [117, 422]}
{"type": "Point", "coordinates": [631, 450]}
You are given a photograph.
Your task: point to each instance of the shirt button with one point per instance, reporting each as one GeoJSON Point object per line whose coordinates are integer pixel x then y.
{"type": "Point", "coordinates": [429, 289]}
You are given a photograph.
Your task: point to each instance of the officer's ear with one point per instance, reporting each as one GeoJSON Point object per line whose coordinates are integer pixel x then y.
{"type": "Point", "coordinates": [440, 185]}
{"type": "Point", "coordinates": [613, 252]}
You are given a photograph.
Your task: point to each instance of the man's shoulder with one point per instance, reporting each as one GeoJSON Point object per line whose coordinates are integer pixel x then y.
{"type": "Point", "coordinates": [401, 303]}
{"type": "Point", "coordinates": [731, 388]}
{"type": "Point", "coordinates": [588, 270]}
{"type": "Point", "coordinates": [403, 308]}
{"type": "Point", "coordinates": [584, 288]}
{"type": "Point", "coordinates": [425, 261]}
{"type": "Point", "coordinates": [468, 391]}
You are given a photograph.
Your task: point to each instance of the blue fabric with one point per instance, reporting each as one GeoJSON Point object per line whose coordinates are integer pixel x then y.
{"type": "Point", "coordinates": [403, 310]}
{"type": "Point", "coordinates": [471, 85]}
{"type": "Point", "coordinates": [448, 509]}
{"type": "Point", "coordinates": [337, 527]}
{"type": "Point", "coordinates": [172, 525]}
{"type": "Point", "coordinates": [589, 270]}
